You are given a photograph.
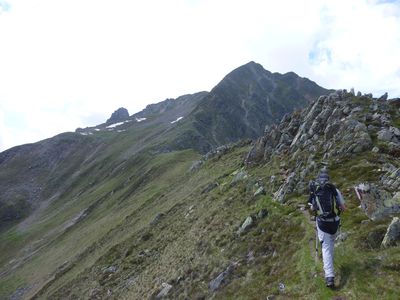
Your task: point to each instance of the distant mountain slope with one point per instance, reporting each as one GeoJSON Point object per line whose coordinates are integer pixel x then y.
{"type": "Point", "coordinates": [239, 107]}
{"type": "Point", "coordinates": [33, 173]}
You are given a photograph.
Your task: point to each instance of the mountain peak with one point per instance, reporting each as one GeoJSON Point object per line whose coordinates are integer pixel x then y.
{"type": "Point", "coordinates": [250, 69]}
{"type": "Point", "coordinates": [121, 114]}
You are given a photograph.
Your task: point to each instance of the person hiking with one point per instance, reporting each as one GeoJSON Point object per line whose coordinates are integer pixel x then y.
{"type": "Point", "coordinates": [323, 197]}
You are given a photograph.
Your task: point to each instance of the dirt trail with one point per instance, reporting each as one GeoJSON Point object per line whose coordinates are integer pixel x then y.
{"type": "Point", "coordinates": [311, 222]}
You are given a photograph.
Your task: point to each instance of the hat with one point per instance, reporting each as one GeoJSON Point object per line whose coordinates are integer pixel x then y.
{"type": "Point", "coordinates": [323, 175]}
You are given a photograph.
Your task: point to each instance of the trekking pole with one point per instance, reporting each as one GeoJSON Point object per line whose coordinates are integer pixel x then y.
{"type": "Point", "coordinates": [316, 238]}
{"type": "Point", "coordinates": [316, 244]}
{"type": "Point", "coordinates": [340, 225]}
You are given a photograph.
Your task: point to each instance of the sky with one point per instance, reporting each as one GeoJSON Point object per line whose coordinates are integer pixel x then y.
{"type": "Point", "coordinates": [69, 64]}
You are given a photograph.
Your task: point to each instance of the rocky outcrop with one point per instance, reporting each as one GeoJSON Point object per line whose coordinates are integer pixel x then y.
{"type": "Point", "coordinates": [121, 114]}
{"type": "Point", "coordinates": [377, 202]}
{"type": "Point", "coordinates": [392, 234]}
{"type": "Point", "coordinates": [331, 124]}
{"type": "Point", "coordinates": [334, 128]}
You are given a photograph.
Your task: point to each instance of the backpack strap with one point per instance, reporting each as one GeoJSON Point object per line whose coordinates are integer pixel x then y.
{"type": "Point", "coordinates": [314, 188]}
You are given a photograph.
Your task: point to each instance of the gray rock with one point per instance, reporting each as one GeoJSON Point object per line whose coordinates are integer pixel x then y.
{"type": "Point", "coordinates": [331, 130]}
{"type": "Point", "coordinates": [221, 278]}
{"type": "Point", "coordinates": [392, 234]}
{"type": "Point", "coordinates": [341, 237]}
{"type": "Point", "coordinates": [111, 269]}
{"type": "Point", "coordinates": [375, 149]}
{"type": "Point", "coordinates": [165, 290]}
{"type": "Point", "coordinates": [362, 142]}
{"type": "Point", "coordinates": [281, 287]}
{"type": "Point", "coordinates": [385, 135]}
{"type": "Point", "coordinates": [196, 166]}
{"type": "Point", "coordinates": [19, 293]}
{"type": "Point", "coordinates": [383, 97]}
{"type": "Point", "coordinates": [377, 203]}
{"type": "Point", "coordinates": [359, 94]}
{"type": "Point", "coordinates": [121, 114]}
{"type": "Point", "coordinates": [356, 109]}
{"type": "Point", "coordinates": [247, 224]}
{"type": "Point", "coordinates": [286, 188]}
{"type": "Point", "coordinates": [395, 131]}
{"type": "Point", "coordinates": [260, 191]}
{"type": "Point", "coordinates": [157, 218]}
{"type": "Point", "coordinates": [209, 187]}
{"type": "Point", "coordinates": [250, 256]}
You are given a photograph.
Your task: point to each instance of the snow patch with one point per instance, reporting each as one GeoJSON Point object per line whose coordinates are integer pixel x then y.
{"type": "Point", "coordinates": [97, 129]}
{"type": "Point", "coordinates": [121, 130]}
{"type": "Point", "coordinates": [115, 125]}
{"type": "Point", "coordinates": [177, 120]}
{"type": "Point", "coordinates": [83, 133]}
{"type": "Point", "coordinates": [140, 119]}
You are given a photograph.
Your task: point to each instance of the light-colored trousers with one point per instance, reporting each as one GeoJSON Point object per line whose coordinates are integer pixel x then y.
{"type": "Point", "coordinates": [327, 244]}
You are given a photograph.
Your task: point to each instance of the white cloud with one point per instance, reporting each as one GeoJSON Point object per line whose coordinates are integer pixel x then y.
{"type": "Point", "coordinates": [358, 46]}
{"type": "Point", "coordinates": [72, 63]}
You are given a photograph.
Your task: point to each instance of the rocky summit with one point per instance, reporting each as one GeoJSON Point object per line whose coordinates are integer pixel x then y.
{"type": "Point", "coordinates": [204, 197]}
{"type": "Point", "coordinates": [121, 114]}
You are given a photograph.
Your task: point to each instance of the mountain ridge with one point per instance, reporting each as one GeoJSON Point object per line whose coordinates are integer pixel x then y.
{"type": "Point", "coordinates": [234, 226]}
{"type": "Point", "coordinates": [141, 208]}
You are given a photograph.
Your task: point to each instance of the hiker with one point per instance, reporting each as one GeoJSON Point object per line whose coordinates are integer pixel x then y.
{"type": "Point", "coordinates": [323, 197]}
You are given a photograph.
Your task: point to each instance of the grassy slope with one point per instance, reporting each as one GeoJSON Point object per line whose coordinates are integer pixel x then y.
{"type": "Point", "coordinates": [196, 240]}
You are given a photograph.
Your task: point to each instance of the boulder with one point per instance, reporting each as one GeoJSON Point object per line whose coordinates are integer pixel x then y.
{"type": "Point", "coordinates": [247, 224]}
{"type": "Point", "coordinates": [165, 290]}
{"type": "Point", "coordinates": [260, 191]}
{"type": "Point", "coordinates": [377, 203]}
{"type": "Point", "coordinates": [286, 188]}
{"type": "Point", "coordinates": [218, 281]}
{"type": "Point", "coordinates": [392, 234]}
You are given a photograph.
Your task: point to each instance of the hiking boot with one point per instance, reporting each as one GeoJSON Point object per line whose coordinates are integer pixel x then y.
{"type": "Point", "coordinates": [330, 282]}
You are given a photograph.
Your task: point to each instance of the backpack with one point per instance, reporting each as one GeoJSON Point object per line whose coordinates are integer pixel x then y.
{"type": "Point", "coordinates": [324, 195]}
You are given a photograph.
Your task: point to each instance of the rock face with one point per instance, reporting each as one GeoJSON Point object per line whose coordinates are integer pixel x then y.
{"type": "Point", "coordinates": [377, 203]}
{"type": "Point", "coordinates": [121, 114]}
{"type": "Point", "coordinates": [333, 128]}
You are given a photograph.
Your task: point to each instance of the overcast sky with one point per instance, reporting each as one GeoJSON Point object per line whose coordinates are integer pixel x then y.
{"type": "Point", "coordinates": [68, 64]}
